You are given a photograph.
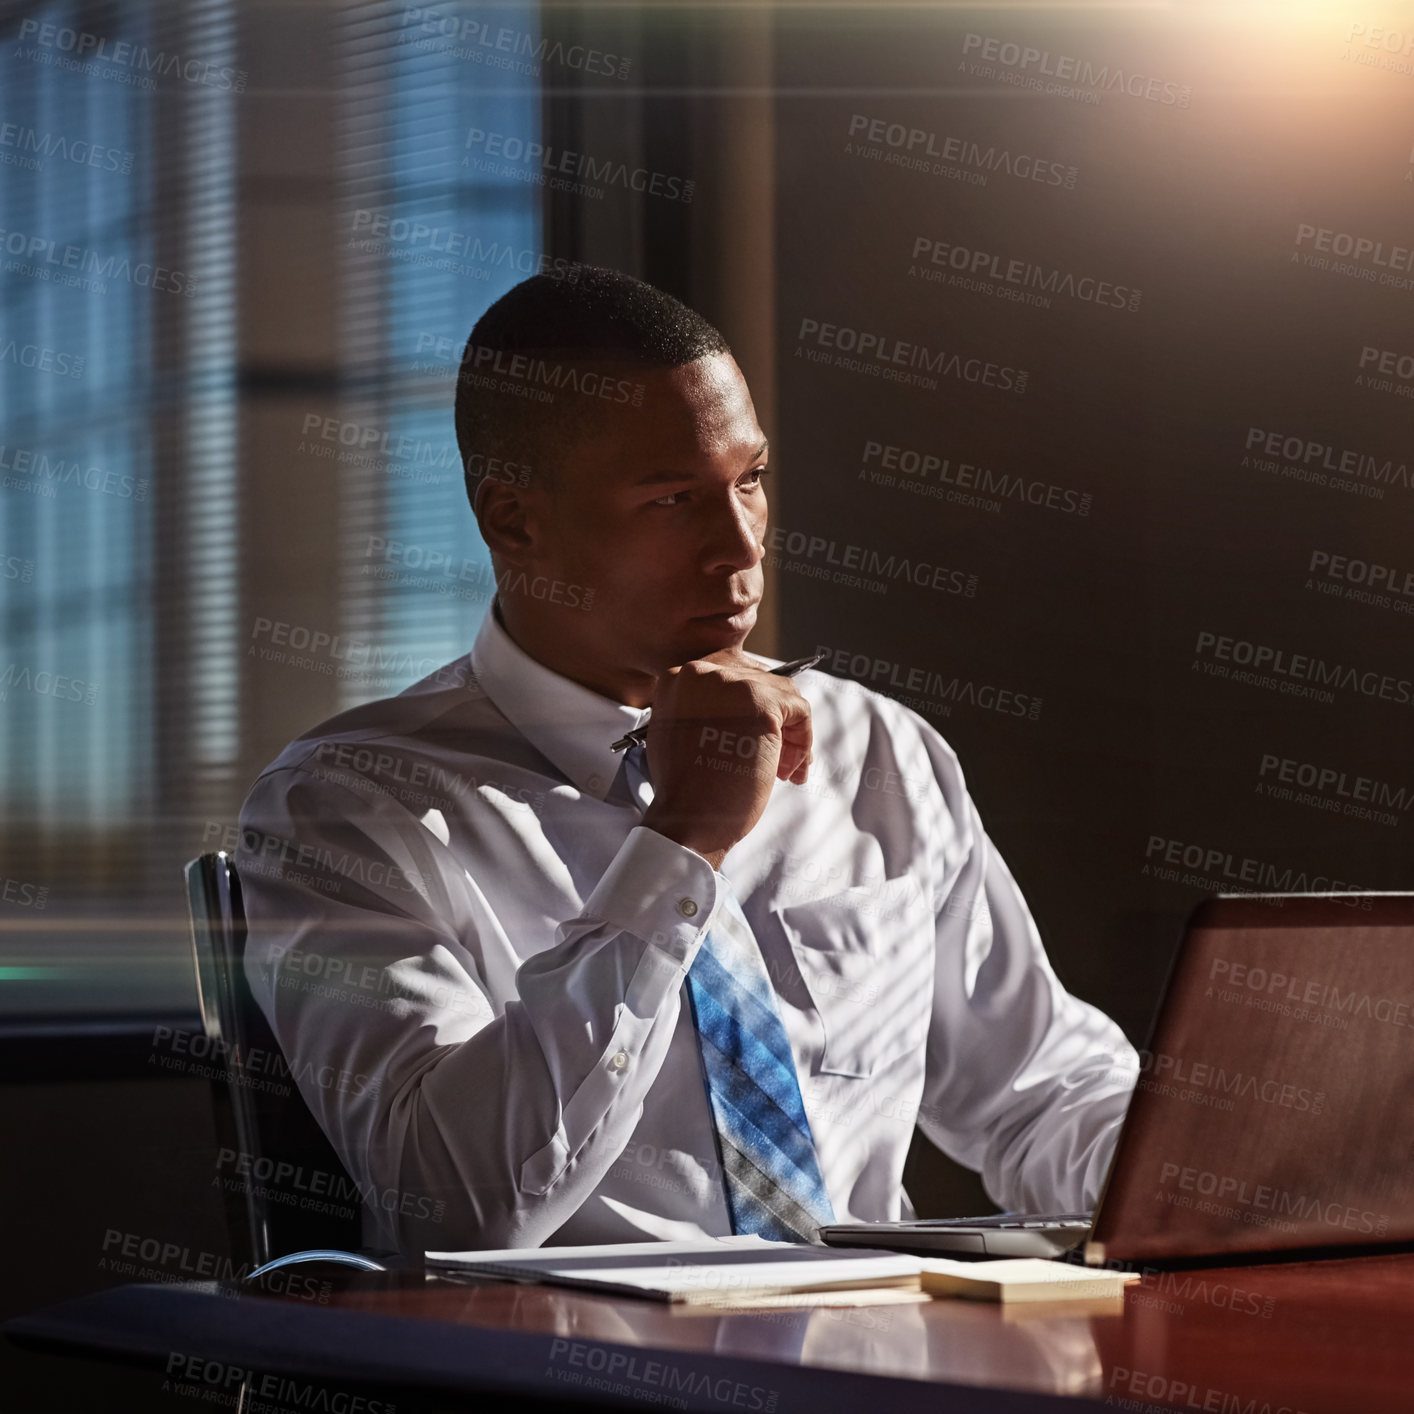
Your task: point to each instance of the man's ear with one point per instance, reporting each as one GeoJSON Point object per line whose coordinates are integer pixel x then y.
{"type": "Point", "coordinates": [506, 524]}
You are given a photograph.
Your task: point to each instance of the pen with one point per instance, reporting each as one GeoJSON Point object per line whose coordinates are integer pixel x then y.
{"type": "Point", "coordinates": [786, 670]}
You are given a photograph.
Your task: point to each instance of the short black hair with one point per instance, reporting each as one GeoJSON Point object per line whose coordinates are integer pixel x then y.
{"type": "Point", "coordinates": [531, 371]}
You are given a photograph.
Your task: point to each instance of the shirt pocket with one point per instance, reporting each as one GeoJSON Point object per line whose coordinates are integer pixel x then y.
{"type": "Point", "coordinates": [866, 959]}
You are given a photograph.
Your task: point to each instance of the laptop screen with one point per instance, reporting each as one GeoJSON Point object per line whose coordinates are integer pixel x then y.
{"type": "Point", "coordinates": [1273, 1105]}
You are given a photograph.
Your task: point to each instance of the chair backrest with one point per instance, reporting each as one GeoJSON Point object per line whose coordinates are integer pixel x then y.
{"type": "Point", "coordinates": [285, 1188]}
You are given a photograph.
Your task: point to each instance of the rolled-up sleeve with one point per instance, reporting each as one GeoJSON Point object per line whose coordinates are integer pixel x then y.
{"type": "Point", "coordinates": [1025, 1083]}
{"type": "Point", "coordinates": [477, 1122]}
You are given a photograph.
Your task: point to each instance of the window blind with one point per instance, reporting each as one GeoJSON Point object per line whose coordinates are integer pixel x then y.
{"type": "Point", "coordinates": [116, 418]}
{"type": "Point", "coordinates": [428, 242]}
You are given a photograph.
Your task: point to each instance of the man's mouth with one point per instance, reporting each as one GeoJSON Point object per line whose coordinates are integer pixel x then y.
{"type": "Point", "coordinates": [735, 616]}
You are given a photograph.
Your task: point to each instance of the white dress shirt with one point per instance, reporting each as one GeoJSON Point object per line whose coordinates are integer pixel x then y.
{"type": "Point", "coordinates": [472, 954]}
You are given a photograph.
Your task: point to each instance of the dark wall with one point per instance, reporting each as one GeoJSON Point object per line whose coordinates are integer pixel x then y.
{"type": "Point", "coordinates": [1065, 327]}
{"type": "Point", "coordinates": [104, 1182]}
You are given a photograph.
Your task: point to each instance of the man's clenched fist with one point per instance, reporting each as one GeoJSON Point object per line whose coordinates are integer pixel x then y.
{"type": "Point", "coordinates": [723, 731]}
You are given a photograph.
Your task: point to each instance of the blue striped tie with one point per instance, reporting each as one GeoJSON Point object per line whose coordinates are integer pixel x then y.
{"type": "Point", "coordinates": [770, 1170]}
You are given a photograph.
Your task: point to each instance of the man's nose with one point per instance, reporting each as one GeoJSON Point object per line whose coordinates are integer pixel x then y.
{"type": "Point", "coordinates": [736, 538]}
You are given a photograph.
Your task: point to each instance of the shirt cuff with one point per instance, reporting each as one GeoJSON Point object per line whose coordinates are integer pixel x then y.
{"type": "Point", "coordinates": [660, 891]}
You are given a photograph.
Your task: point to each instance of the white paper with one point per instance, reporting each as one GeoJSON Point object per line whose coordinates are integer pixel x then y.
{"type": "Point", "coordinates": [717, 1266]}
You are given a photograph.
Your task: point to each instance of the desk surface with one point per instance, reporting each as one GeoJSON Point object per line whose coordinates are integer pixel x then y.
{"type": "Point", "coordinates": [1330, 1337]}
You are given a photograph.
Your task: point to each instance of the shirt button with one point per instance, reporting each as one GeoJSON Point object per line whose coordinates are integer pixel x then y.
{"type": "Point", "coordinates": [595, 782]}
{"type": "Point", "coordinates": [687, 907]}
{"type": "Point", "coordinates": [619, 1060]}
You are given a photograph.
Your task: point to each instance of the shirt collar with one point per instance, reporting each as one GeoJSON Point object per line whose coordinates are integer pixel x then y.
{"type": "Point", "coordinates": [569, 724]}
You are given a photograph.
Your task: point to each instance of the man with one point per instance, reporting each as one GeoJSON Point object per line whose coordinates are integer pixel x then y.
{"type": "Point", "coordinates": [536, 990]}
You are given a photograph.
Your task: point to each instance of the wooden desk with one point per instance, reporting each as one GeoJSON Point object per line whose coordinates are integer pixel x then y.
{"type": "Point", "coordinates": [1333, 1337]}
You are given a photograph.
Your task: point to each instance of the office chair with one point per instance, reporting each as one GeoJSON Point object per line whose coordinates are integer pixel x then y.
{"type": "Point", "coordinates": [274, 1214]}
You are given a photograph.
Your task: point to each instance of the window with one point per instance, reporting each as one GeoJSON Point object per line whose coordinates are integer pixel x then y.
{"type": "Point", "coordinates": [429, 239]}
{"type": "Point", "coordinates": [117, 397]}
{"type": "Point", "coordinates": [139, 366]}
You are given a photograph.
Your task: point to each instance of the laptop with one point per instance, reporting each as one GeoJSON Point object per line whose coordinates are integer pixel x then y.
{"type": "Point", "coordinates": [1272, 1107]}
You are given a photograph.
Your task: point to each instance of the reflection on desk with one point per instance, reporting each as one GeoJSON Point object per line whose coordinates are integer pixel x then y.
{"type": "Point", "coordinates": [1328, 1337]}
{"type": "Point", "coordinates": [1052, 1351]}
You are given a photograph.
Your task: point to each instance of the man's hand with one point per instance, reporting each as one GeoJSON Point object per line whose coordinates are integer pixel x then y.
{"type": "Point", "coordinates": [723, 731]}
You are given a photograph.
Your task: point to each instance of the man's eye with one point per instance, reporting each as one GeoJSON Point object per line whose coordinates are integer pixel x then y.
{"type": "Point", "coordinates": [749, 482]}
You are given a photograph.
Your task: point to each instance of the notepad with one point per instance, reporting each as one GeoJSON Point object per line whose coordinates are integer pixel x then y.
{"type": "Point", "coordinates": [1010, 1279]}
{"type": "Point", "coordinates": [742, 1271]}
